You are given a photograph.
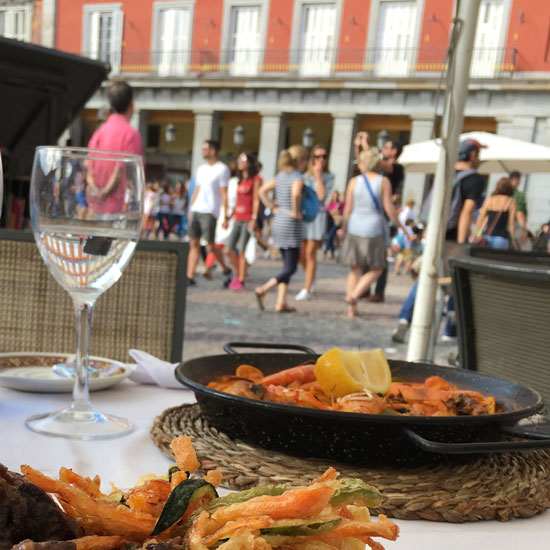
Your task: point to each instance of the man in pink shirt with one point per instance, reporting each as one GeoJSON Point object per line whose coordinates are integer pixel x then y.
{"type": "Point", "coordinates": [115, 134]}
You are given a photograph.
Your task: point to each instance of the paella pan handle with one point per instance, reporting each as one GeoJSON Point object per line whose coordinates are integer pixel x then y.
{"type": "Point", "coordinates": [228, 348]}
{"type": "Point", "coordinates": [475, 447]}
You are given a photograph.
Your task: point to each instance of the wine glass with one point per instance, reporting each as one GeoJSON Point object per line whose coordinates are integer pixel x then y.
{"type": "Point", "coordinates": [86, 211]}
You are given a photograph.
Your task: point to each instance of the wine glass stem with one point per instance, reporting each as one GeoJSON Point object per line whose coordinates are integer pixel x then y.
{"type": "Point", "coordinates": [81, 395]}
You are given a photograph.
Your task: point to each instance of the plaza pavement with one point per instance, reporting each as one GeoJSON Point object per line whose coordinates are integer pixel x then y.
{"type": "Point", "coordinates": [215, 315]}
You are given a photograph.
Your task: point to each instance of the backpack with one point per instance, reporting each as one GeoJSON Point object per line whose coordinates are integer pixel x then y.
{"type": "Point", "coordinates": [457, 200]}
{"type": "Point", "coordinates": [310, 204]}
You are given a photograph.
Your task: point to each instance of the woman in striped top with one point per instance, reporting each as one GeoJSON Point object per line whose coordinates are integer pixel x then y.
{"type": "Point", "coordinates": [287, 221]}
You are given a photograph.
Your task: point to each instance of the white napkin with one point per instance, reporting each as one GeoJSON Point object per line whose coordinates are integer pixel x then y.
{"type": "Point", "coordinates": [150, 370]}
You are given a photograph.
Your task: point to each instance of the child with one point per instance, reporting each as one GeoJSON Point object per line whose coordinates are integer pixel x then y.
{"type": "Point", "coordinates": [406, 252]}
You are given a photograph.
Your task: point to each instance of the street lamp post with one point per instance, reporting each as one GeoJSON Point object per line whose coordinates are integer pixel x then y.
{"type": "Point", "coordinates": [307, 138]}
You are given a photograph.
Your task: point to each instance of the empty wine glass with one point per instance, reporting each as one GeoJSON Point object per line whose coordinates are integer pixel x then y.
{"type": "Point", "coordinates": [86, 212]}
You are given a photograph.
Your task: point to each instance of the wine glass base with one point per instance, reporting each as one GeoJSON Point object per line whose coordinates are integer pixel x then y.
{"type": "Point", "coordinates": [84, 425]}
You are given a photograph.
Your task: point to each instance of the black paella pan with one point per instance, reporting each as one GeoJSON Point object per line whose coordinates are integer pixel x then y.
{"type": "Point", "coordinates": [361, 438]}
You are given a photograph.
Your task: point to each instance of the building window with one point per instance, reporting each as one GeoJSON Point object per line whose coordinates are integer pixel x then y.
{"type": "Point", "coordinates": [318, 39]}
{"type": "Point", "coordinates": [488, 54]}
{"type": "Point", "coordinates": [394, 53]}
{"type": "Point", "coordinates": [245, 40]}
{"type": "Point", "coordinates": [102, 37]}
{"type": "Point", "coordinates": [15, 22]}
{"type": "Point", "coordinates": [172, 37]}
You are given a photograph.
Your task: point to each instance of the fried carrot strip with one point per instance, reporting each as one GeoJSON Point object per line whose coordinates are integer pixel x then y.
{"type": "Point", "coordinates": [249, 372]}
{"type": "Point", "coordinates": [329, 474]}
{"type": "Point", "coordinates": [252, 525]}
{"type": "Point", "coordinates": [115, 519]}
{"type": "Point", "coordinates": [95, 542]}
{"type": "Point", "coordinates": [296, 503]}
{"type": "Point", "coordinates": [382, 528]}
{"type": "Point", "coordinates": [88, 485]}
{"type": "Point", "coordinates": [185, 455]}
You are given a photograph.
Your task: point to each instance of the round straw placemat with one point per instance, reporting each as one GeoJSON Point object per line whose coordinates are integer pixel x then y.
{"type": "Point", "coordinates": [499, 486]}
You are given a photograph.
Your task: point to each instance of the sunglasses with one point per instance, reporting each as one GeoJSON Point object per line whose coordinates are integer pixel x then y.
{"type": "Point", "coordinates": [243, 159]}
{"type": "Point", "coordinates": [323, 156]}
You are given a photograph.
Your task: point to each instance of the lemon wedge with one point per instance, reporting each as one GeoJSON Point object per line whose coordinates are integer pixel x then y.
{"type": "Point", "coordinates": [341, 372]}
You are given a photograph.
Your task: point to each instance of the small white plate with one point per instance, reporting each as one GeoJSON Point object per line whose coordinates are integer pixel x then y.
{"type": "Point", "coordinates": [33, 372]}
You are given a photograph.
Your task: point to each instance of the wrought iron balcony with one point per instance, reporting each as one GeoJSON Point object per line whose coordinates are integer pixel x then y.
{"type": "Point", "coordinates": [349, 63]}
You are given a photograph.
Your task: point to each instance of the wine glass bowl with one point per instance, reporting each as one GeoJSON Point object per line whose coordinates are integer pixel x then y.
{"type": "Point", "coordinates": [86, 211]}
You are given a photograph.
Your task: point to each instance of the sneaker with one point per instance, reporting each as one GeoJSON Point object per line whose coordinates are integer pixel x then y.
{"type": "Point", "coordinates": [236, 284]}
{"type": "Point", "coordinates": [401, 331]}
{"type": "Point", "coordinates": [375, 298]}
{"type": "Point", "coordinates": [303, 295]}
{"type": "Point", "coordinates": [448, 338]}
{"type": "Point", "coordinates": [227, 276]}
{"type": "Point", "coordinates": [191, 282]}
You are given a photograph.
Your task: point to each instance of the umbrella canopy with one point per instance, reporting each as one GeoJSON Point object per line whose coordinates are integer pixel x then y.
{"type": "Point", "coordinates": [503, 154]}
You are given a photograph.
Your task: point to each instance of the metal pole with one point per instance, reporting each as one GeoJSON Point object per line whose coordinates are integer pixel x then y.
{"type": "Point", "coordinates": [455, 100]}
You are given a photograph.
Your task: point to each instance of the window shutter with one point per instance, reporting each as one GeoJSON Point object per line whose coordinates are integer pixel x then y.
{"type": "Point", "coordinates": [116, 41]}
{"type": "Point", "coordinates": [93, 41]}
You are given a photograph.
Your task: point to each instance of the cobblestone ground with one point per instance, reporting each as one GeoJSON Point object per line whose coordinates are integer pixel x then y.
{"type": "Point", "coordinates": [216, 315]}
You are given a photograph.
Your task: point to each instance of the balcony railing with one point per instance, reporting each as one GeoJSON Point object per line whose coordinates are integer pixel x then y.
{"type": "Point", "coordinates": [496, 63]}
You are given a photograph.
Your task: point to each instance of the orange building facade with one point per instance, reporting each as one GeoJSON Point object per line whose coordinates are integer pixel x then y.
{"type": "Point", "coordinates": [273, 68]}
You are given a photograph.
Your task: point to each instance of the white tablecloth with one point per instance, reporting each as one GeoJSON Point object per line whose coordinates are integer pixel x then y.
{"type": "Point", "coordinates": [123, 460]}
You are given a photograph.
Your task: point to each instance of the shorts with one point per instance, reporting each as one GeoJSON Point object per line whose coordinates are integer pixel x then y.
{"type": "Point", "coordinates": [239, 237]}
{"type": "Point", "coordinates": [202, 225]}
{"type": "Point", "coordinates": [407, 253]}
{"type": "Point", "coordinates": [81, 199]}
{"type": "Point", "coordinates": [364, 251]}
{"type": "Point", "coordinates": [315, 229]}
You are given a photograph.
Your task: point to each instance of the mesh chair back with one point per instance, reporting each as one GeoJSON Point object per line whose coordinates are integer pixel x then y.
{"type": "Point", "coordinates": [503, 311]}
{"type": "Point", "coordinates": [145, 309]}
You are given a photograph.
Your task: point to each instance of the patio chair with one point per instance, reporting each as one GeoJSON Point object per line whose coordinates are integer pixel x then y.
{"type": "Point", "coordinates": [503, 315]}
{"type": "Point", "coordinates": [145, 309]}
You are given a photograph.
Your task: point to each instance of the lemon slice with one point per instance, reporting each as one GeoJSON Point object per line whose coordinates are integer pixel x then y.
{"type": "Point", "coordinates": [341, 372]}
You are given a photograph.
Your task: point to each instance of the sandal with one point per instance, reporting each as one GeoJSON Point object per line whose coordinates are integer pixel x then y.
{"type": "Point", "coordinates": [260, 298]}
{"type": "Point", "coordinates": [285, 309]}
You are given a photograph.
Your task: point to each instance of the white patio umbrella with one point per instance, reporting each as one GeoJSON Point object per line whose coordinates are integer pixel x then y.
{"type": "Point", "coordinates": [503, 154]}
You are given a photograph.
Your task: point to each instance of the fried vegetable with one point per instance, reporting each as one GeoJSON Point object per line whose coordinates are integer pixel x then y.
{"type": "Point", "coordinates": [243, 496]}
{"type": "Point", "coordinates": [184, 454]}
{"type": "Point", "coordinates": [181, 498]}
{"type": "Point", "coordinates": [300, 527]}
{"type": "Point", "coordinates": [354, 491]}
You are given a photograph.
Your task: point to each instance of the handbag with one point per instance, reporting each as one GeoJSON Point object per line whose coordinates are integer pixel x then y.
{"type": "Point", "coordinates": [250, 250]}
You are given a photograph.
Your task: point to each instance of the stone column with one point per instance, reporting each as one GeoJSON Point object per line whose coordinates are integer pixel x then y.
{"type": "Point", "coordinates": [139, 121]}
{"type": "Point", "coordinates": [272, 133]}
{"type": "Point", "coordinates": [49, 9]}
{"type": "Point", "coordinates": [206, 127]}
{"type": "Point", "coordinates": [341, 149]}
{"type": "Point", "coordinates": [415, 184]}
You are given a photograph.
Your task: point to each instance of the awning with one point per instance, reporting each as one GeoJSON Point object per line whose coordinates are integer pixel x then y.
{"type": "Point", "coordinates": [41, 92]}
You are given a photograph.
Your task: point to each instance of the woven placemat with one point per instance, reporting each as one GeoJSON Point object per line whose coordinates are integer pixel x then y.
{"type": "Point", "coordinates": [497, 486]}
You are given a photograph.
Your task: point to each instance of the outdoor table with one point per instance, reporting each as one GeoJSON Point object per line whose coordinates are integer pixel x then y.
{"type": "Point", "coordinates": [122, 461]}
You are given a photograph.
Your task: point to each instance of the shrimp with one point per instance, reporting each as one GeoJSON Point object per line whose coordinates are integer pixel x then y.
{"type": "Point", "coordinates": [293, 396]}
{"type": "Point", "coordinates": [301, 373]}
{"type": "Point", "coordinates": [361, 402]}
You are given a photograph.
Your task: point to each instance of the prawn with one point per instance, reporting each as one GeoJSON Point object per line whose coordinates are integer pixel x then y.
{"type": "Point", "coordinates": [293, 396]}
{"type": "Point", "coordinates": [301, 373]}
{"type": "Point", "coordinates": [361, 402]}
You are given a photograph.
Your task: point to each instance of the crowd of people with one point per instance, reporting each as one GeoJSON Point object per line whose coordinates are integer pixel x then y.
{"type": "Point", "coordinates": [226, 211]}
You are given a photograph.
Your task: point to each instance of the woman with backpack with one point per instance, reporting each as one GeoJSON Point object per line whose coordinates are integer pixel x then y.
{"type": "Point", "coordinates": [321, 181]}
{"type": "Point", "coordinates": [363, 226]}
{"type": "Point", "coordinates": [287, 222]}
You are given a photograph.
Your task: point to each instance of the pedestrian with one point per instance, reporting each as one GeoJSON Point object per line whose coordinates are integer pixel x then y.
{"type": "Point", "coordinates": [287, 221]}
{"type": "Point", "coordinates": [210, 193]}
{"type": "Point", "coordinates": [179, 207]}
{"type": "Point", "coordinates": [363, 227]}
{"type": "Point", "coordinates": [115, 134]}
{"type": "Point", "coordinates": [496, 222]}
{"type": "Point", "coordinates": [468, 188]}
{"type": "Point", "coordinates": [244, 215]}
{"type": "Point", "coordinates": [164, 215]}
{"type": "Point", "coordinates": [319, 178]}
{"type": "Point", "coordinates": [335, 210]}
{"type": "Point", "coordinates": [521, 205]}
